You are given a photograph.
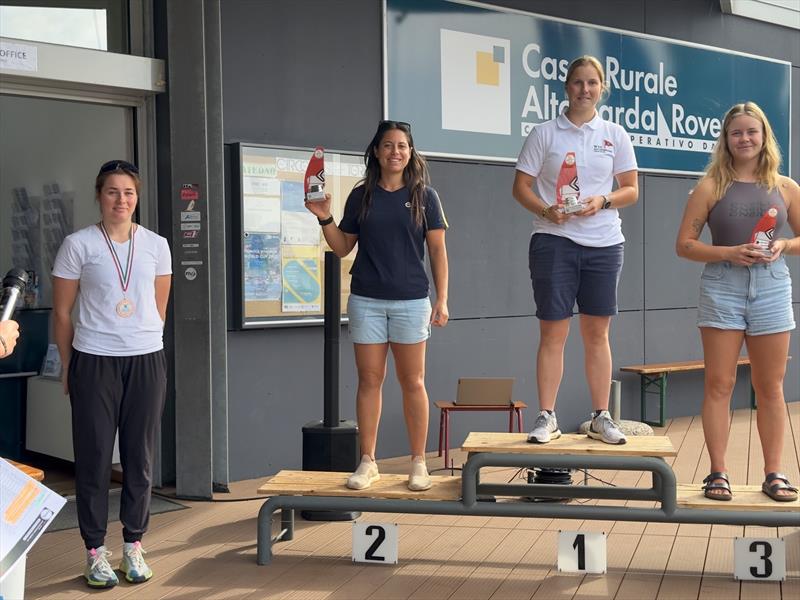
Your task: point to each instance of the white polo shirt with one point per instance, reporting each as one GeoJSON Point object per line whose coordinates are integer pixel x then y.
{"type": "Point", "coordinates": [602, 150]}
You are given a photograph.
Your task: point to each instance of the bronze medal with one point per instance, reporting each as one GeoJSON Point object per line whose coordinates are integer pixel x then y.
{"type": "Point", "coordinates": [125, 308]}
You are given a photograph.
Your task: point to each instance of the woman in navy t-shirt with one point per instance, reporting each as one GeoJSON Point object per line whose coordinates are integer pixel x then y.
{"type": "Point", "coordinates": [391, 213]}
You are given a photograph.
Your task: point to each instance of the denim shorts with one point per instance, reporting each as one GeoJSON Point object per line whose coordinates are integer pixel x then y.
{"type": "Point", "coordinates": [563, 272]}
{"type": "Point", "coordinates": [376, 321]}
{"type": "Point", "coordinates": [755, 299]}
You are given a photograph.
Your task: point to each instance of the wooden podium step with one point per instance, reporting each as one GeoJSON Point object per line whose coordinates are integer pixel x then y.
{"type": "Point", "coordinates": [570, 443]}
{"type": "Point", "coordinates": [331, 483]}
{"type": "Point", "coordinates": [745, 497]}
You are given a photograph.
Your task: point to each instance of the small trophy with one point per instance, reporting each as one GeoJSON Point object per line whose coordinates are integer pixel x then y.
{"type": "Point", "coordinates": [764, 230]}
{"type": "Point", "coordinates": [568, 192]}
{"type": "Point", "coordinates": [314, 181]}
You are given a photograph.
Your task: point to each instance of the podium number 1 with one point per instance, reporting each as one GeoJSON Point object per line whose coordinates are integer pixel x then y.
{"type": "Point", "coordinates": [580, 545]}
{"type": "Point", "coordinates": [757, 559]}
{"type": "Point", "coordinates": [582, 552]}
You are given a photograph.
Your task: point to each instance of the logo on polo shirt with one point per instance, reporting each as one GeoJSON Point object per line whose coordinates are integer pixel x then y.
{"type": "Point", "coordinates": [607, 147]}
{"type": "Point", "coordinates": [476, 82]}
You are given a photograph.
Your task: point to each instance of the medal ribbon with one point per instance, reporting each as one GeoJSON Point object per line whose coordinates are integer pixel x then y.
{"type": "Point", "coordinates": [124, 276]}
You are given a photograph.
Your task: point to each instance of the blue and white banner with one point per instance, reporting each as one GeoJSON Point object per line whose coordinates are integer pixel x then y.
{"type": "Point", "coordinates": [474, 79]}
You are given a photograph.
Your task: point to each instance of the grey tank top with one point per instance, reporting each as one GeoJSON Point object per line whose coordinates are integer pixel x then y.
{"type": "Point", "coordinates": [733, 219]}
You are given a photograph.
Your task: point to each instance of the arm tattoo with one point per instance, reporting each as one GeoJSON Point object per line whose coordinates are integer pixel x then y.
{"type": "Point", "coordinates": [697, 225]}
{"type": "Point", "coordinates": [688, 245]}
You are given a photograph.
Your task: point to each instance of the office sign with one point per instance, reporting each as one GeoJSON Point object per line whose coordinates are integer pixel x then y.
{"type": "Point", "coordinates": [473, 80]}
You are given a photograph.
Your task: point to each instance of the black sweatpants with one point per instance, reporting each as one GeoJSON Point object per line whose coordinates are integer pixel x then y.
{"type": "Point", "coordinates": [109, 393]}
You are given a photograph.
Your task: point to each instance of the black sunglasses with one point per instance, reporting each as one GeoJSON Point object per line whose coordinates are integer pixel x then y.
{"type": "Point", "coordinates": [389, 124]}
{"type": "Point", "coordinates": [118, 165]}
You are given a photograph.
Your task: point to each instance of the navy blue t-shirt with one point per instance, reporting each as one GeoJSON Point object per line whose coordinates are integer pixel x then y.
{"type": "Point", "coordinates": [390, 262]}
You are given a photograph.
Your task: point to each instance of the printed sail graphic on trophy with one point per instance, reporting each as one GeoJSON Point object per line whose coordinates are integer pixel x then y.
{"type": "Point", "coordinates": [764, 230]}
{"type": "Point", "coordinates": [568, 191]}
{"type": "Point", "coordinates": [314, 181]}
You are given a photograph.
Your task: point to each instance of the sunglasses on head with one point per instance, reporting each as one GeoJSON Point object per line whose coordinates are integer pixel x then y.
{"type": "Point", "coordinates": [118, 165]}
{"type": "Point", "coordinates": [389, 124]}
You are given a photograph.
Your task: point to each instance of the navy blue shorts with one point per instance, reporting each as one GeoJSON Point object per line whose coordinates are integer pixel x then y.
{"type": "Point", "coordinates": [563, 272]}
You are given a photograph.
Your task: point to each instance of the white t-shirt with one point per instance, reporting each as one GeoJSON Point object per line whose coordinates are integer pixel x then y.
{"type": "Point", "coordinates": [602, 150]}
{"type": "Point", "coordinates": [85, 255]}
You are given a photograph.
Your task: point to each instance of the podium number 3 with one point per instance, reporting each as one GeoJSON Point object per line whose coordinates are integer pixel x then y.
{"type": "Point", "coordinates": [759, 559]}
{"type": "Point", "coordinates": [381, 535]}
{"type": "Point", "coordinates": [766, 552]}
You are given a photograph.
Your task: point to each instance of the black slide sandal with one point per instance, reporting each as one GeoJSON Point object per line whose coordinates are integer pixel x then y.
{"type": "Point", "coordinates": [710, 487]}
{"type": "Point", "coordinates": [774, 483]}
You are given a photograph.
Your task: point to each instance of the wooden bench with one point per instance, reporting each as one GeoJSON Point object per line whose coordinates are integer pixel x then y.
{"type": "Point", "coordinates": [745, 497]}
{"type": "Point", "coordinates": [654, 381]}
{"type": "Point", "coordinates": [568, 444]}
{"type": "Point", "coordinates": [332, 483]}
{"type": "Point", "coordinates": [513, 409]}
{"type": "Point", "coordinates": [32, 472]}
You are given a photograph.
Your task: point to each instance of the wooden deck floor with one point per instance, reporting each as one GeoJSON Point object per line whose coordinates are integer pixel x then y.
{"type": "Point", "coordinates": [209, 550]}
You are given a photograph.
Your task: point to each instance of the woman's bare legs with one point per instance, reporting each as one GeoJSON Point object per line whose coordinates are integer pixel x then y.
{"type": "Point", "coordinates": [721, 349]}
{"type": "Point", "coordinates": [768, 367]}
{"type": "Point", "coordinates": [550, 360]}
{"type": "Point", "coordinates": [409, 360]}
{"type": "Point", "coordinates": [597, 358]}
{"type": "Point", "coordinates": [371, 366]}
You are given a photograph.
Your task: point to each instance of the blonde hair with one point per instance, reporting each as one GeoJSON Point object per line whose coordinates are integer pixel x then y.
{"type": "Point", "coordinates": [720, 167]}
{"type": "Point", "coordinates": [587, 60]}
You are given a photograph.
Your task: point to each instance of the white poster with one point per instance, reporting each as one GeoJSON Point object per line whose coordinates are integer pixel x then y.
{"type": "Point", "coordinates": [26, 509]}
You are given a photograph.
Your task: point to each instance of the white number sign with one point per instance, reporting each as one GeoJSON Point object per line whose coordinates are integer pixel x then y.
{"type": "Point", "coordinates": [759, 559]}
{"type": "Point", "coordinates": [582, 552]}
{"type": "Point", "coordinates": [375, 543]}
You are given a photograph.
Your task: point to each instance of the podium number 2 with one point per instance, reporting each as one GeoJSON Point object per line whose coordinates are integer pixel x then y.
{"type": "Point", "coordinates": [759, 559]}
{"type": "Point", "coordinates": [375, 543]}
{"type": "Point", "coordinates": [381, 535]}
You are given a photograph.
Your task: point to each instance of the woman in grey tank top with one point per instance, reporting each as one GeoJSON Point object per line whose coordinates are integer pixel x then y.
{"type": "Point", "coordinates": [745, 288]}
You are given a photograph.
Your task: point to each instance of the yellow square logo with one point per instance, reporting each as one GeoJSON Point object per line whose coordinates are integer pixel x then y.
{"type": "Point", "coordinates": [487, 70]}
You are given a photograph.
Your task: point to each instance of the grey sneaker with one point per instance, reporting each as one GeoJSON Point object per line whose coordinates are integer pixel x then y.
{"type": "Point", "coordinates": [98, 571]}
{"type": "Point", "coordinates": [133, 565]}
{"type": "Point", "coordinates": [545, 429]}
{"type": "Point", "coordinates": [604, 428]}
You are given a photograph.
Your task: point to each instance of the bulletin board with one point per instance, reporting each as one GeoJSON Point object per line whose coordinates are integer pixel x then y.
{"type": "Point", "coordinates": [279, 267]}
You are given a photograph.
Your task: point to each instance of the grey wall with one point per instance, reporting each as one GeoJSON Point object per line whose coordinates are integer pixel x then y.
{"type": "Point", "coordinates": [291, 80]}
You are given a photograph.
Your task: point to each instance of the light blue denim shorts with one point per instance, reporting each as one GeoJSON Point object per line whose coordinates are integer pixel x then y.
{"type": "Point", "coordinates": [375, 321]}
{"type": "Point", "coordinates": [755, 299]}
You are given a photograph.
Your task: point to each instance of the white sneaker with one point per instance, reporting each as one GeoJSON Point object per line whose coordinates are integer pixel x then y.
{"type": "Point", "coordinates": [604, 428]}
{"type": "Point", "coordinates": [544, 429]}
{"type": "Point", "coordinates": [418, 479]}
{"type": "Point", "coordinates": [133, 564]}
{"type": "Point", "coordinates": [366, 474]}
{"type": "Point", "coordinates": [98, 571]}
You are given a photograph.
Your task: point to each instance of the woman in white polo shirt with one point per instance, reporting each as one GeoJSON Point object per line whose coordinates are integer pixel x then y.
{"type": "Point", "coordinates": [576, 256]}
{"type": "Point", "coordinates": [119, 273]}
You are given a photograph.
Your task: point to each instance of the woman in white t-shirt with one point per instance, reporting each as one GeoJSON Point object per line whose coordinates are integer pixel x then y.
{"type": "Point", "coordinates": [576, 249]}
{"type": "Point", "coordinates": [115, 369]}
